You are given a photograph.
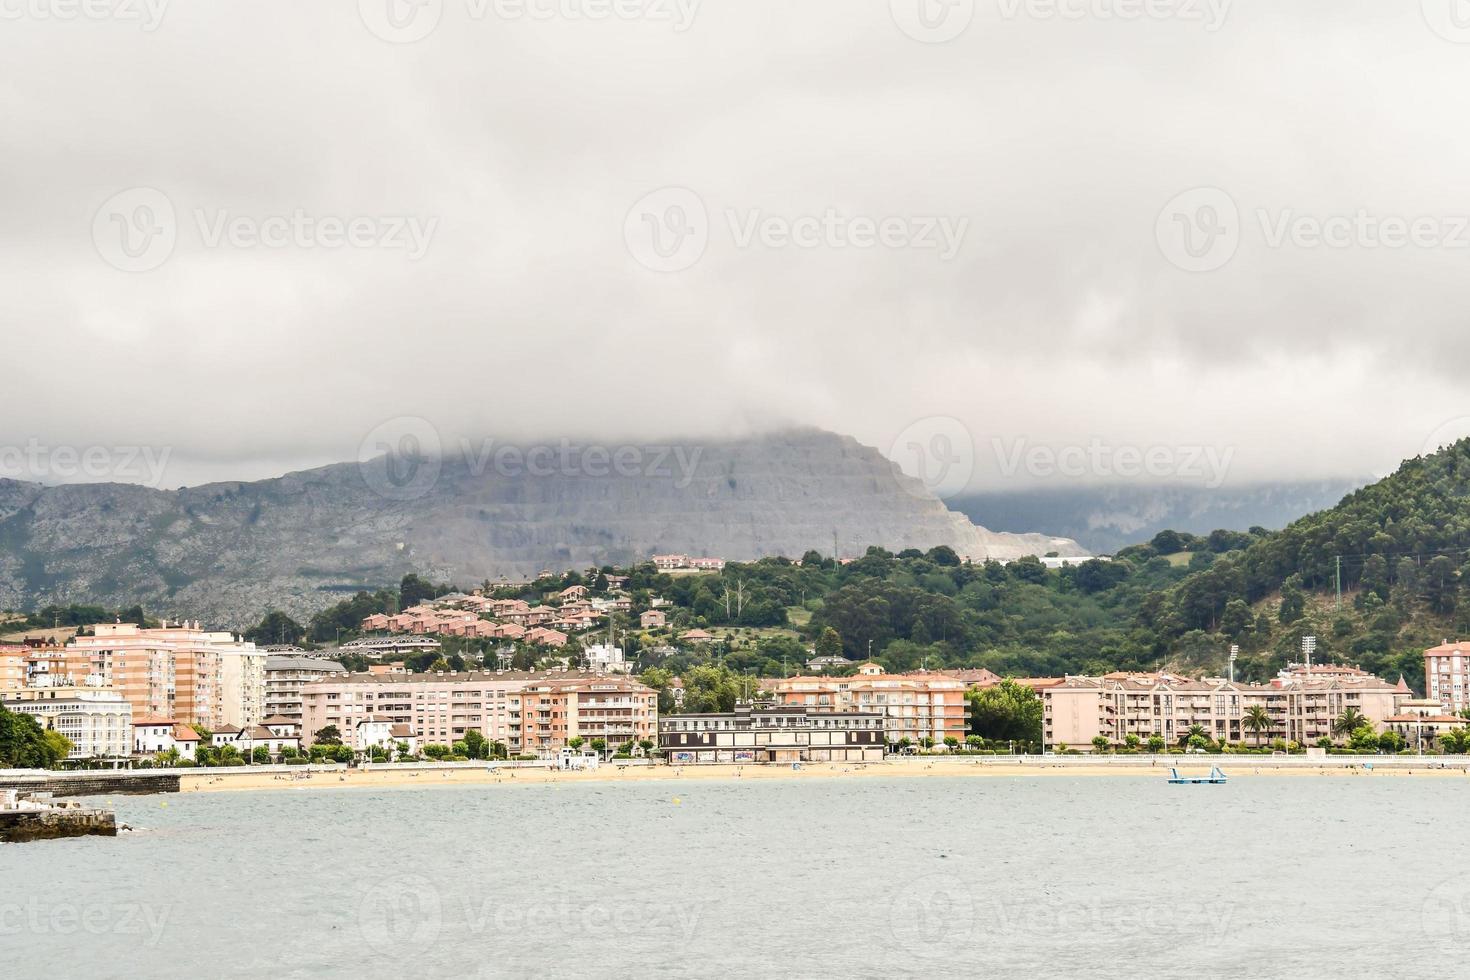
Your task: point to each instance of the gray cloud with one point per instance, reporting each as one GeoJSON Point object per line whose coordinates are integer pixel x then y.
{"type": "Point", "coordinates": [1060, 321]}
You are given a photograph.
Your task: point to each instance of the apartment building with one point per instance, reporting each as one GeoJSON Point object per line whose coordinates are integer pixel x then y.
{"type": "Point", "coordinates": [1446, 668]}
{"type": "Point", "coordinates": [242, 684]}
{"type": "Point", "coordinates": [1302, 704]}
{"type": "Point", "coordinates": [178, 671]}
{"type": "Point", "coordinates": [913, 706]}
{"type": "Point", "coordinates": [99, 722]}
{"type": "Point", "coordinates": [529, 712]}
{"type": "Point", "coordinates": [773, 733]}
{"type": "Point", "coordinates": [286, 675]}
{"type": "Point", "coordinates": [670, 563]}
{"type": "Point", "coordinates": [13, 667]}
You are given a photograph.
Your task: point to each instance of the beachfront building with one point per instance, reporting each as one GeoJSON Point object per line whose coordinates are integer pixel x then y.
{"type": "Point", "coordinates": [154, 735]}
{"type": "Point", "coordinates": [1302, 705]}
{"type": "Point", "coordinates": [914, 706]}
{"type": "Point", "coordinates": [285, 677]}
{"type": "Point", "coordinates": [98, 722]}
{"type": "Point", "coordinates": [772, 733]}
{"type": "Point", "coordinates": [528, 712]}
{"type": "Point", "coordinates": [1422, 722]}
{"type": "Point", "coordinates": [386, 734]}
{"type": "Point", "coordinates": [1446, 669]}
{"type": "Point", "coordinates": [178, 671]}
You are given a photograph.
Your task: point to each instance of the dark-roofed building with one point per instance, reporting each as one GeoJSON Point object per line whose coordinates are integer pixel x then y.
{"type": "Point", "coordinates": [759, 733]}
{"type": "Point", "coordinates": [286, 675]}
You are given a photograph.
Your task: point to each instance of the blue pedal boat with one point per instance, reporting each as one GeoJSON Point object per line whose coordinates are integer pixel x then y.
{"type": "Point", "coordinates": [1215, 777]}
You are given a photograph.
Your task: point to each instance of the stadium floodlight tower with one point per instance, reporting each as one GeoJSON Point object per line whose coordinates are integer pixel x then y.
{"type": "Point", "coordinates": [1309, 647]}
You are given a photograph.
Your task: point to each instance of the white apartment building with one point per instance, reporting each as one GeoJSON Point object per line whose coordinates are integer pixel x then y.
{"type": "Point", "coordinates": [606, 658]}
{"type": "Point", "coordinates": [98, 722]}
{"type": "Point", "coordinates": [242, 684]}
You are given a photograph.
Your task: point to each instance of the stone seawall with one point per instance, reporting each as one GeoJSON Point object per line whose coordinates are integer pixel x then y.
{"type": "Point", "coordinates": [20, 826]}
{"type": "Point", "coordinates": [93, 783]}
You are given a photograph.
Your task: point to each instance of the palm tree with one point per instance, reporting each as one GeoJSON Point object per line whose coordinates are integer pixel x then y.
{"type": "Point", "coordinates": [1348, 722]}
{"type": "Point", "coordinates": [1194, 730]}
{"type": "Point", "coordinates": [1257, 719]}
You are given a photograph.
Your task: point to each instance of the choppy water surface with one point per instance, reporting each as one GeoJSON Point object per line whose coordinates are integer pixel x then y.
{"type": "Point", "coordinates": [1033, 877]}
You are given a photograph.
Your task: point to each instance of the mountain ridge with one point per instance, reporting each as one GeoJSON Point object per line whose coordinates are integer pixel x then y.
{"type": "Point", "coordinates": [229, 551]}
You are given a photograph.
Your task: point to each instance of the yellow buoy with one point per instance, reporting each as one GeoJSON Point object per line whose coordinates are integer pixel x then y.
{"type": "Point", "coordinates": [676, 800]}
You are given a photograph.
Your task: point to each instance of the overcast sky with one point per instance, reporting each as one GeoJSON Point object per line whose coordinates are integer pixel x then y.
{"type": "Point", "coordinates": [1087, 233]}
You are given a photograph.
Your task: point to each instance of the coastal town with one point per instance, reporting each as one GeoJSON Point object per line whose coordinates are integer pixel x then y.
{"type": "Point", "coordinates": [179, 695]}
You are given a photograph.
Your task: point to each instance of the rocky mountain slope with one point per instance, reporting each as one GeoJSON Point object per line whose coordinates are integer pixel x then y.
{"type": "Point", "coordinates": [226, 552]}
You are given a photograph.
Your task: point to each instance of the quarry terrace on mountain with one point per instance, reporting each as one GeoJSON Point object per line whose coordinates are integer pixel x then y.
{"type": "Point", "coordinates": [225, 551]}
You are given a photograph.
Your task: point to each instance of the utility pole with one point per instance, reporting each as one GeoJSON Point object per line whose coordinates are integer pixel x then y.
{"type": "Point", "coordinates": [1339, 581]}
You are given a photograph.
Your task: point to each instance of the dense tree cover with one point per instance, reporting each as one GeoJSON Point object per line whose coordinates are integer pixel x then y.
{"type": "Point", "coordinates": [276, 628]}
{"type": "Point", "coordinates": [26, 744]}
{"type": "Point", "coordinates": [49, 617]}
{"type": "Point", "coordinates": [1402, 547]}
{"type": "Point", "coordinates": [1008, 712]}
{"type": "Point", "coordinates": [345, 618]}
{"type": "Point", "coordinates": [1181, 599]}
{"type": "Point", "coordinates": [928, 609]}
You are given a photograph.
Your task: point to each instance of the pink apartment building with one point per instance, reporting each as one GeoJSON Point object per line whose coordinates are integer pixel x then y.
{"type": "Point", "coordinates": [529, 712]}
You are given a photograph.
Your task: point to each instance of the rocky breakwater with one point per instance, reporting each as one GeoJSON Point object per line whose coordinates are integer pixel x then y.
{"type": "Point", "coordinates": [35, 816]}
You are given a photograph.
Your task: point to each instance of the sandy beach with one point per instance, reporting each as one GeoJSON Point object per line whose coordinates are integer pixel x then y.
{"type": "Point", "coordinates": [280, 778]}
